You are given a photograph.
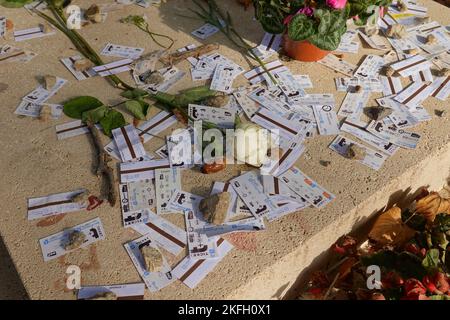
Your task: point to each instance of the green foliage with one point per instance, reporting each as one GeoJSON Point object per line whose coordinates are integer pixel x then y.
{"type": "Point", "coordinates": [94, 115]}
{"type": "Point", "coordinates": [301, 28]}
{"type": "Point", "coordinates": [405, 263]}
{"type": "Point", "coordinates": [14, 3]}
{"type": "Point", "coordinates": [431, 261]}
{"type": "Point", "coordinates": [112, 120]}
{"type": "Point", "coordinates": [75, 107]}
{"type": "Point", "coordinates": [331, 27]}
{"type": "Point", "coordinates": [135, 93]}
{"type": "Point", "coordinates": [137, 108]}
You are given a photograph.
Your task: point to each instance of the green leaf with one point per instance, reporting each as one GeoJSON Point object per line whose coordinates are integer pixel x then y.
{"type": "Point", "coordinates": [75, 107]}
{"type": "Point", "coordinates": [138, 108]}
{"type": "Point", "coordinates": [133, 94]}
{"type": "Point", "coordinates": [300, 28]}
{"type": "Point", "coordinates": [329, 42]}
{"type": "Point", "coordinates": [94, 115]}
{"type": "Point", "coordinates": [14, 3]}
{"type": "Point", "coordinates": [439, 297]}
{"type": "Point", "coordinates": [442, 222]}
{"type": "Point", "coordinates": [112, 120]}
{"type": "Point", "coordinates": [193, 95]}
{"type": "Point", "coordinates": [431, 260]}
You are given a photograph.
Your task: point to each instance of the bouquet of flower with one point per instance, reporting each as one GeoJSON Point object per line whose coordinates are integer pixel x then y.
{"type": "Point", "coordinates": [321, 22]}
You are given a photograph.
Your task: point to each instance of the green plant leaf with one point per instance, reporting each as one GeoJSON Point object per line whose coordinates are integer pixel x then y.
{"type": "Point", "coordinates": [431, 260]}
{"type": "Point", "coordinates": [138, 108]}
{"type": "Point", "coordinates": [75, 107]}
{"type": "Point", "coordinates": [112, 120]}
{"type": "Point", "coordinates": [193, 95]}
{"type": "Point", "coordinates": [442, 222]}
{"type": "Point", "coordinates": [133, 94]}
{"type": "Point", "coordinates": [329, 42]}
{"type": "Point", "coordinates": [440, 297]}
{"type": "Point", "coordinates": [14, 3]}
{"type": "Point", "coordinates": [300, 28]}
{"type": "Point", "coordinates": [94, 115]}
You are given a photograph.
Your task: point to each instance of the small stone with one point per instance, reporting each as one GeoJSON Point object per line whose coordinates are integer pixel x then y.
{"type": "Point", "coordinates": [355, 152]}
{"type": "Point", "coordinates": [153, 259]}
{"type": "Point", "coordinates": [444, 72]}
{"type": "Point", "coordinates": [104, 296]}
{"type": "Point", "coordinates": [439, 113]}
{"type": "Point", "coordinates": [82, 65]}
{"type": "Point", "coordinates": [93, 14]}
{"type": "Point", "coordinates": [49, 82]}
{"type": "Point", "coordinates": [358, 89]}
{"type": "Point", "coordinates": [377, 113]}
{"type": "Point", "coordinates": [152, 77]}
{"type": "Point", "coordinates": [396, 31]}
{"type": "Point", "coordinates": [215, 207]}
{"type": "Point", "coordinates": [413, 51]}
{"type": "Point", "coordinates": [75, 240]}
{"type": "Point", "coordinates": [325, 163]}
{"type": "Point", "coordinates": [45, 28]}
{"type": "Point", "coordinates": [431, 39]}
{"type": "Point", "coordinates": [217, 101]}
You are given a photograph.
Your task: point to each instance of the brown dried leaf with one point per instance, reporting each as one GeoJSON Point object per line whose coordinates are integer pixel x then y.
{"type": "Point", "coordinates": [389, 229]}
{"type": "Point", "coordinates": [431, 205]}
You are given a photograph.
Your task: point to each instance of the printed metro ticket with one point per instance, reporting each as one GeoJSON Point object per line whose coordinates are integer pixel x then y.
{"type": "Point", "coordinates": [224, 118]}
{"type": "Point", "coordinates": [128, 143]}
{"type": "Point", "coordinates": [135, 199]}
{"type": "Point", "coordinates": [259, 74]}
{"type": "Point", "coordinates": [386, 147]}
{"type": "Point", "coordinates": [180, 201]}
{"type": "Point", "coordinates": [31, 33]}
{"type": "Point", "coordinates": [270, 101]}
{"type": "Point", "coordinates": [251, 191]}
{"type": "Point", "coordinates": [414, 94]}
{"type": "Point", "coordinates": [326, 119]}
{"type": "Point", "coordinates": [306, 188]}
{"type": "Point", "coordinates": [53, 246]}
{"type": "Point", "coordinates": [155, 125]}
{"type": "Point", "coordinates": [167, 235]}
{"type": "Point", "coordinates": [394, 135]}
{"type": "Point", "coordinates": [200, 245]}
{"type": "Point", "coordinates": [371, 84]}
{"type": "Point", "coordinates": [132, 291]}
{"type": "Point", "coordinates": [71, 129]}
{"type": "Point", "coordinates": [112, 68]}
{"type": "Point", "coordinates": [179, 146]}
{"type": "Point", "coordinates": [171, 76]}
{"type": "Point", "coordinates": [54, 204]}
{"type": "Point", "coordinates": [391, 85]}
{"type": "Point", "coordinates": [2, 26]}
{"type": "Point", "coordinates": [79, 75]}
{"type": "Point", "coordinates": [370, 67]}
{"type": "Point", "coordinates": [441, 88]}
{"type": "Point", "coordinates": [223, 78]}
{"type": "Point", "coordinates": [339, 65]}
{"type": "Point", "coordinates": [289, 85]}
{"type": "Point", "coordinates": [116, 50]}
{"type": "Point", "coordinates": [409, 66]}
{"type": "Point", "coordinates": [41, 95]}
{"type": "Point", "coordinates": [192, 271]}
{"type": "Point", "coordinates": [141, 170]}
{"type": "Point", "coordinates": [274, 187]}
{"type": "Point", "coordinates": [249, 106]}
{"type": "Point", "coordinates": [154, 281]}
{"type": "Point", "coordinates": [276, 124]}
{"type": "Point", "coordinates": [166, 181]}
{"type": "Point", "coordinates": [372, 159]}
{"type": "Point", "coordinates": [245, 225]}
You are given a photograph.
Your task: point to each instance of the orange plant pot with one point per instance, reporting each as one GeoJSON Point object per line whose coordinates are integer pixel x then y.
{"type": "Point", "coordinates": [302, 50]}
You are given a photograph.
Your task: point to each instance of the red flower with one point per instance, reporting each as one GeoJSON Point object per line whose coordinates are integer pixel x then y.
{"type": "Point", "coordinates": [392, 280]}
{"type": "Point", "coordinates": [416, 250]}
{"type": "Point", "coordinates": [414, 289]}
{"type": "Point", "coordinates": [437, 284]}
{"type": "Point", "coordinates": [346, 245]}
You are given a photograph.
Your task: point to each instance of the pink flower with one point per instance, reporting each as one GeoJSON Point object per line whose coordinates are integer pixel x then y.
{"type": "Point", "coordinates": [307, 11]}
{"type": "Point", "coordinates": [336, 4]}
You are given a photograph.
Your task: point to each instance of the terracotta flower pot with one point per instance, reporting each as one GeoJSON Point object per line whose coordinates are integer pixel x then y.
{"type": "Point", "coordinates": [302, 50]}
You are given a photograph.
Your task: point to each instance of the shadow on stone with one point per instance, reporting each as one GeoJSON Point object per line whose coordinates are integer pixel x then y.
{"type": "Point", "coordinates": [11, 287]}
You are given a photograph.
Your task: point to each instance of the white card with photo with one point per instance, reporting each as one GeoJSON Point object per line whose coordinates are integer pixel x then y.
{"type": "Point", "coordinates": [116, 50]}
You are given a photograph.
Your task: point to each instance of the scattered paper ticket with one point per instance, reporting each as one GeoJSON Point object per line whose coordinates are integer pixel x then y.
{"type": "Point", "coordinates": [54, 204]}
{"type": "Point", "coordinates": [133, 291]}
{"type": "Point", "coordinates": [53, 246]}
